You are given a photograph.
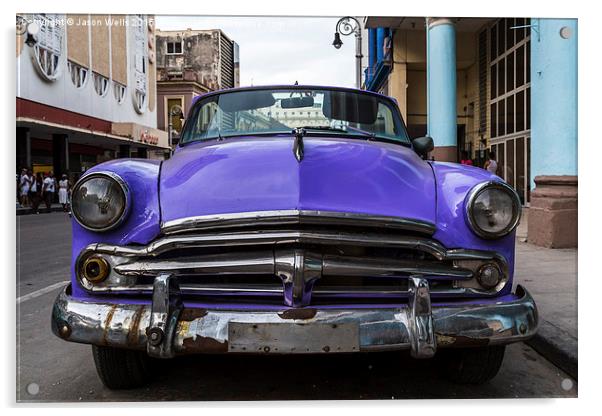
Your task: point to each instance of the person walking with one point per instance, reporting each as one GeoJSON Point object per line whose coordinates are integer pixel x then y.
{"type": "Point", "coordinates": [48, 190]}
{"type": "Point", "coordinates": [35, 190]}
{"type": "Point", "coordinates": [24, 185]}
{"type": "Point", "coordinates": [64, 192]}
{"type": "Point", "coordinates": [491, 164]}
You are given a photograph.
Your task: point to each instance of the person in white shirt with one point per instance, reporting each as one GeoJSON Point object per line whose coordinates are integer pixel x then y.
{"type": "Point", "coordinates": [491, 164]}
{"type": "Point", "coordinates": [24, 184]}
{"type": "Point", "coordinates": [64, 192]}
{"type": "Point", "coordinates": [48, 190]}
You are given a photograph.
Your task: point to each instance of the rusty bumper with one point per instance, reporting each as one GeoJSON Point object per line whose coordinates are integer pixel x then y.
{"type": "Point", "coordinates": [170, 329]}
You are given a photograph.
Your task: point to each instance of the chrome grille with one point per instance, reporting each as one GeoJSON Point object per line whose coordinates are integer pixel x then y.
{"type": "Point", "coordinates": [298, 261]}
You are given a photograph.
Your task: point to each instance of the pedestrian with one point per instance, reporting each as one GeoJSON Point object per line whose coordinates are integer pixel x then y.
{"type": "Point", "coordinates": [24, 185]}
{"type": "Point", "coordinates": [465, 160]}
{"type": "Point", "coordinates": [491, 164]}
{"type": "Point", "coordinates": [48, 190]}
{"type": "Point", "coordinates": [35, 190]}
{"type": "Point", "coordinates": [64, 192]}
{"type": "Point", "coordinates": [56, 187]}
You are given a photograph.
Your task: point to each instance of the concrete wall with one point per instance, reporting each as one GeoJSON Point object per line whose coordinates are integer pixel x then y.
{"type": "Point", "coordinates": [62, 93]}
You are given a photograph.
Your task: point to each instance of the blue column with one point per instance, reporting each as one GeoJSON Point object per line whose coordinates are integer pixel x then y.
{"type": "Point", "coordinates": [371, 48]}
{"type": "Point", "coordinates": [553, 97]}
{"type": "Point", "coordinates": [380, 40]}
{"type": "Point", "coordinates": [441, 83]}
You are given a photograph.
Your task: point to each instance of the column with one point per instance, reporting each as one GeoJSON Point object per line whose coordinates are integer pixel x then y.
{"type": "Point", "coordinates": [380, 41]}
{"type": "Point", "coordinates": [441, 87]}
{"type": "Point", "coordinates": [23, 148]}
{"type": "Point", "coordinates": [371, 52]}
{"type": "Point", "coordinates": [60, 154]}
{"type": "Point", "coordinates": [553, 210]}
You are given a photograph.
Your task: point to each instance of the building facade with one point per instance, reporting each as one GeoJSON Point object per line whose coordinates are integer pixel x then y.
{"type": "Point", "coordinates": [86, 92]}
{"type": "Point", "coordinates": [190, 63]}
{"type": "Point", "coordinates": [472, 85]}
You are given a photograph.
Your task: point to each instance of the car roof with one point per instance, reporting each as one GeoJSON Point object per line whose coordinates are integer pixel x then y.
{"type": "Point", "coordinates": [291, 87]}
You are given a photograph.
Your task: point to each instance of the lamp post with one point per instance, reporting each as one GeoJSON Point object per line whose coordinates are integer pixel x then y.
{"type": "Point", "coordinates": [346, 26]}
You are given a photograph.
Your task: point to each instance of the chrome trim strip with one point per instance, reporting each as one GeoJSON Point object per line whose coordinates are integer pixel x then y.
{"type": "Point", "coordinates": [266, 237]}
{"type": "Point", "coordinates": [223, 264]}
{"type": "Point", "coordinates": [472, 195]}
{"type": "Point", "coordinates": [484, 322]}
{"type": "Point", "coordinates": [266, 262]}
{"type": "Point", "coordinates": [294, 217]}
{"type": "Point", "coordinates": [377, 267]}
{"type": "Point", "coordinates": [127, 196]}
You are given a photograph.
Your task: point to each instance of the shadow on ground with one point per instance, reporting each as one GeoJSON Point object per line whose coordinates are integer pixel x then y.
{"type": "Point", "coordinates": [338, 377]}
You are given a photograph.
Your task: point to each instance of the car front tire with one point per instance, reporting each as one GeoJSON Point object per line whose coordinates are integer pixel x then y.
{"type": "Point", "coordinates": [121, 369]}
{"type": "Point", "coordinates": [472, 365]}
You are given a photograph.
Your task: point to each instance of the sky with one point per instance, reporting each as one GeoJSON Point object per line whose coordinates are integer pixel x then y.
{"type": "Point", "coordinates": [280, 50]}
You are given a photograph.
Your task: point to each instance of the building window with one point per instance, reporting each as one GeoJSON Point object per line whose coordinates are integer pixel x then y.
{"type": "Point", "coordinates": [101, 84]}
{"type": "Point", "coordinates": [47, 50]}
{"type": "Point", "coordinates": [140, 63]}
{"type": "Point", "coordinates": [174, 48]}
{"type": "Point", "coordinates": [510, 100]}
{"type": "Point", "coordinates": [119, 91]}
{"type": "Point", "coordinates": [79, 74]}
{"type": "Point", "coordinates": [175, 112]}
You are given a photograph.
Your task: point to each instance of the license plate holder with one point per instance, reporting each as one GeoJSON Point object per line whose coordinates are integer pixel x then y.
{"type": "Point", "coordinates": [292, 338]}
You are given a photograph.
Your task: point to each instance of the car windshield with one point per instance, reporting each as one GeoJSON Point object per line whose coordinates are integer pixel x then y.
{"type": "Point", "coordinates": [276, 111]}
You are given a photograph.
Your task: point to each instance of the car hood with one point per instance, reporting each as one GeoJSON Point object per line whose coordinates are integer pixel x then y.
{"type": "Point", "coordinates": [262, 174]}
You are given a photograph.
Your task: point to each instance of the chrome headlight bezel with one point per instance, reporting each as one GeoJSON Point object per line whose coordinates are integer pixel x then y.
{"type": "Point", "coordinates": [469, 211]}
{"type": "Point", "coordinates": [126, 196]}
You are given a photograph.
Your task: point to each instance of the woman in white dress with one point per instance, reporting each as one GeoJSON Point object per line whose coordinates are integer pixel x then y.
{"type": "Point", "coordinates": [64, 192]}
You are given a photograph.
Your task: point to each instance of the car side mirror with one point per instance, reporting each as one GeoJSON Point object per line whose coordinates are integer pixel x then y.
{"type": "Point", "coordinates": [423, 145]}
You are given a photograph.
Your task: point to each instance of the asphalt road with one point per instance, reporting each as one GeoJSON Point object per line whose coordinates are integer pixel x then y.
{"type": "Point", "coordinates": [49, 369]}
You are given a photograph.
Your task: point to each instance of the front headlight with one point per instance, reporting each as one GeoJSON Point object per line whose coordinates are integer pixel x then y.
{"type": "Point", "coordinates": [100, 201]}
{"type": "Point", "coordinates": [493, 209]}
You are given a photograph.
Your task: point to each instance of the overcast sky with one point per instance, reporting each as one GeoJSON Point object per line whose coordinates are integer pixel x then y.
{"type": "Point", "coordinates": [281, 50]}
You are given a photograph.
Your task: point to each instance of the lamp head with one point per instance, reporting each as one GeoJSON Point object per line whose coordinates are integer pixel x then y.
{"type": "Point", "coordinates": [337, 42]}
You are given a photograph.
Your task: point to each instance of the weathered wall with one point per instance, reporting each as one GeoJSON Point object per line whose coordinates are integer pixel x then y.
{"type": "Point", "coordinates": [199, 60]}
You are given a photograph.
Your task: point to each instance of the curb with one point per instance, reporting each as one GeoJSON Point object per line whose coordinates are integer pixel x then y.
{"type": "Point", "coordinates": [29, 211]}
{"type": "Point", "coordinates": [557, 346]}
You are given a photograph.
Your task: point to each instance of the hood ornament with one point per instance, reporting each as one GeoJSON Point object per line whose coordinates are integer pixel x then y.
{"type": "Point", "coordinates": [298, 149]}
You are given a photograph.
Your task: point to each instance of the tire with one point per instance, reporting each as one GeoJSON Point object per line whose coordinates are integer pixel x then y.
{"type": "Point", "coordinates": [121, 369]}
{"type": "Point", "coordinates": [472, 365]}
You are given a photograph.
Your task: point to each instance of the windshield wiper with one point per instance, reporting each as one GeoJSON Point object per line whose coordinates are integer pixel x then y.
{"type": "Point", "coordinates": [362, 133]}
{"type": "Point", "coordinates": [340, 130]}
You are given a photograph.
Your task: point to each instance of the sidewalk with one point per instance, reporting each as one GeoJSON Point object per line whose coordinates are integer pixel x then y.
{"type": "Point", "coordinates": [550, 275]}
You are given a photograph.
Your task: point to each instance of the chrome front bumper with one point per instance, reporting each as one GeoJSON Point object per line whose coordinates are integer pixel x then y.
{"type": "Point", "coordinates": [165, 328]}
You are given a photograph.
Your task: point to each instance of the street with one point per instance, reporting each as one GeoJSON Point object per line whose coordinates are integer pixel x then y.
{"type": "Point", "coordinates": [50, 369]}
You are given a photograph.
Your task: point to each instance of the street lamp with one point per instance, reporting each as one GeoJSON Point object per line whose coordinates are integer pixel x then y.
{"type": "Point", "coordinates": [346, 26]}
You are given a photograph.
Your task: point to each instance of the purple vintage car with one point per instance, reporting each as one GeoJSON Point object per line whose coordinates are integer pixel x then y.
{"type": "Point", "coordinates": [293, 220]}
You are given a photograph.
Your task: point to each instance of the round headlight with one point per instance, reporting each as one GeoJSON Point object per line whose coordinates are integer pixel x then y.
{"type": "Point", "coordinates": [493, 209]}
{"type": "Point", "coordinates": [100, 201]}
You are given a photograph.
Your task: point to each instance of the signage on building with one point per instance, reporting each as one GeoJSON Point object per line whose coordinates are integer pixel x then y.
{"type": "Point", "coordinates": [146, 137]}
{"type": "Point", "coordinates": [140, 134]}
